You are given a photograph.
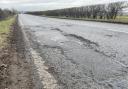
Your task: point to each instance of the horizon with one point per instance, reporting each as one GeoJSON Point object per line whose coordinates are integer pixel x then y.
{"type": "Point", "coordinates": [43, 5]}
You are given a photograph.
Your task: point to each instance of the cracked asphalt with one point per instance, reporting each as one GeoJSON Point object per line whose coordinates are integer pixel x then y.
{"type": "Point", "coordinates": [80, 54]}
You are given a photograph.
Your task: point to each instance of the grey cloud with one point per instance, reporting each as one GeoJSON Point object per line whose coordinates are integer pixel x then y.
{"type": "Point", "coordinates": [33, 5]}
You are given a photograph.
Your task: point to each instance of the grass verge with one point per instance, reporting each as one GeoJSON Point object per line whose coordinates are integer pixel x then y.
{"type": "Point", "coordinates": [5, 26]}
{"type": "Point", "coordinates": [15, 71]}
{"type": "Point", "coordinates": [118, 20]}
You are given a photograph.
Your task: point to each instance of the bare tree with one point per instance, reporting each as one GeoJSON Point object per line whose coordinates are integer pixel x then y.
{"type": "Point", "coordinates": [100, 11]}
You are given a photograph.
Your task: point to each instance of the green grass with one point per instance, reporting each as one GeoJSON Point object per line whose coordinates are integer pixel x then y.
{"type": "Point", "coordinates": [122, 18]}
{"type": "Point", "coordinates": [119, 19]}
{"type": "Point", "coordinates": [5, 30]}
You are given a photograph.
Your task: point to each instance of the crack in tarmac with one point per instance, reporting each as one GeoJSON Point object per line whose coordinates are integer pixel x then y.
{"type": "Point", "coordinates": [75, 76]}
{"type": "Point", "coordinates": [90, 44]}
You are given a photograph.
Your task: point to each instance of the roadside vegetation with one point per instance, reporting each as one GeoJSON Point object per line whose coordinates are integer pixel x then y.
{"type": "Point", "coordinates": [14, 69]}
{"type": "Point", "coordinates": [112, 12]}
{"type": "Point", "coordinates": [5, 13]}
{"type": "Point", "coordinates": [5, 26]}
{"type": "Point", "coordinates": [118, 19]}
{"type": "Point", "coordinates": [5, 55]}
{"type": "Point", "coordinates": [6, 20]}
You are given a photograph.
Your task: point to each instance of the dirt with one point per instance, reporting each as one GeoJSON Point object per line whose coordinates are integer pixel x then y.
{"type": "Point", "coordinates": [15, 71]}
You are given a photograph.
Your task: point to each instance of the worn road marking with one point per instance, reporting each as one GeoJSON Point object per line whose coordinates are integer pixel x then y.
{"type": "Point", "coordinates": [48, 81]}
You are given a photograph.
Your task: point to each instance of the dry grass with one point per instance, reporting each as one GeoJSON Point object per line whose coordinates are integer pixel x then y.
{"type": "Point", "coordinates": [5, 30]}
{"type": "Point", "coordinates": [119, 19]}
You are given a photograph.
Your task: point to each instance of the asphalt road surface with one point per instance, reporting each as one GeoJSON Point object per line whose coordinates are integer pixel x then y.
{"type": "Point", "coordinates": [78, 54]}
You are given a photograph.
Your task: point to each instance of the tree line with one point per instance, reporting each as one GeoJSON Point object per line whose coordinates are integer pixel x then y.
{"type": "Point", "coordinates": [100, 11]}
{"type": "Point", "coordinates": [4, 13]}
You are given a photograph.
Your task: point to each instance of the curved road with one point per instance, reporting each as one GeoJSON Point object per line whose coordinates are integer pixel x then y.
{"type": "Point", "coordinates": [79, 54]}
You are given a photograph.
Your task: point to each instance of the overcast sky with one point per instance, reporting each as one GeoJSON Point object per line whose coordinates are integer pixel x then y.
{"type": "Point", "coordinates": [35, 5]}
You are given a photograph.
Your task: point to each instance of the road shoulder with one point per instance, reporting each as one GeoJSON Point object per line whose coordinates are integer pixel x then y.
{"type": "Point", "coordinates": [15, 72]}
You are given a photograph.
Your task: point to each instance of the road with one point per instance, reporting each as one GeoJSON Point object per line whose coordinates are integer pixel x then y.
{"type": "Point", "coordinates": [79, 54]}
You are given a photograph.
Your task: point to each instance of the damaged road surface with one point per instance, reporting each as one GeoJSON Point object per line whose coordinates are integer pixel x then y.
{"type": "Point", "coordinates": [69, 54]}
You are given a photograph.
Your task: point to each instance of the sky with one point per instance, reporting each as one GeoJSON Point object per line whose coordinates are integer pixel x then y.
{"type": "Point", "coordinates": [42, 5]}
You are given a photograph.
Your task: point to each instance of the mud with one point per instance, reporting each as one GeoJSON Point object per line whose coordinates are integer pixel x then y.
{"type": "Point", "coordinates": [15, 71]}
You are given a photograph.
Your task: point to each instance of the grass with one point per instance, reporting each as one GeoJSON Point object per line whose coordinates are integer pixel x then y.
{"type": "Point", "coordinates": [5, 26]}
{"type": "Point", "coordinates": [122, 18]}
{"type": "Point", "coordinates": [119, 19]}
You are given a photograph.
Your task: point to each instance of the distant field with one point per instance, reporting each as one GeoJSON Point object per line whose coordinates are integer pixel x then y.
{"type": "Point", "coordinates": [122, 18]}
{"type": "Point", "coordinates": [119, 19]}
{"type": "Point", "coordinates": [4, 30]}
